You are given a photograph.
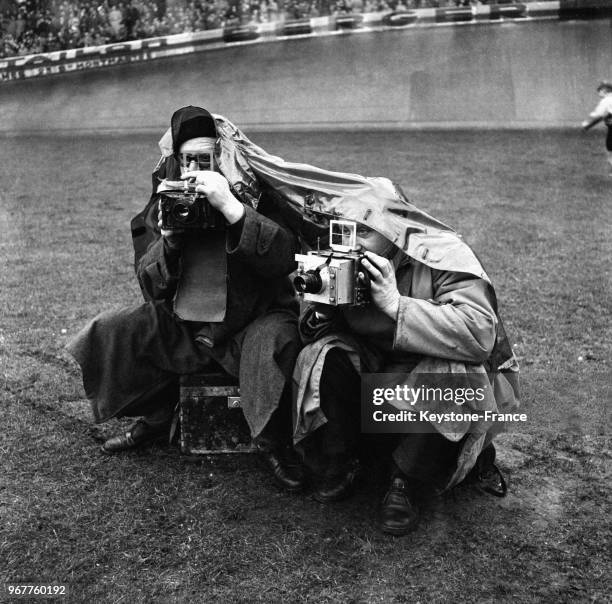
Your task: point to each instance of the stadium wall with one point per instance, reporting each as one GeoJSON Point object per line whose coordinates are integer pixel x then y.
{"type": "Point", "coordinates": [535, 73]}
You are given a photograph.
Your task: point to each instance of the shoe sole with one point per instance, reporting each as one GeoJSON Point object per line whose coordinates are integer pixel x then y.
{"type": "Point", "coordinates": [277, 482]}
{"type": "Point", "coordinates": [348, 493]}
{"type": "Point", "coordinates": [292, 490]}
{"type": "Point", "coordinates": [397, 532]}
{"type": "Point", "coordinates": [140, 445]}
{"type": "Point", "coordinates": [320, 499]}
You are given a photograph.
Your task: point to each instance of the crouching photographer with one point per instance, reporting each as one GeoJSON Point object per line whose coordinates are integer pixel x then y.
{"type": "Point", "coordinates": [431, 310]}
{"type": "Point", "coordinates": [212, 259]}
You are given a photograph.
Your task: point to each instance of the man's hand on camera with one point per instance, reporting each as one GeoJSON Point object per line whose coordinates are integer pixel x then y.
{"type": "Point", "coordinates": [216, 188]}
{"type": "Point", "coordinates": [383, 285]}
{"type": "Point", "coordinates": [174, 237]}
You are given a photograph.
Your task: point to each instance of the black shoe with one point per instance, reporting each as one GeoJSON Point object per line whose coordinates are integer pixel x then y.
{"type": "Point", "coordinates": [398, 515]}
{"type": "Point", "coordinates": [490, 480]}
{"type": "Point", "coordinates": [486, 476]}
{"type": "Point", "coordinates": [337, 488]}
{"type": "Point", "coordinates": [139, 435]}
{"type": "Point", "coordinates": [286, 475]}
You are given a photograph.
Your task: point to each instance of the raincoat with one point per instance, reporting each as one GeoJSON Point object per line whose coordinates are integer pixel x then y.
{"type": "Point", "coordinates": [437, 270]}
{"type": "Point", "coordinates": [304, 198]}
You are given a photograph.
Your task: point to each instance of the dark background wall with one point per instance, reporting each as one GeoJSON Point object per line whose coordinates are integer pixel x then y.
{"type": "Point", "coordinates": [532, 74]}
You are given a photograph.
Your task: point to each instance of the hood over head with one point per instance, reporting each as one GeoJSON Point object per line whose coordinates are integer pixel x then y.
{"type": "Point", "coordinates": [190, 122]}
{"type": "Point", "coordinates": [308, 197]}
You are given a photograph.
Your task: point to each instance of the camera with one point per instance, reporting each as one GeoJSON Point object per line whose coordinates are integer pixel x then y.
{"type": "Point", "coordinates": [334, 276]}
{"type": "Point", "coordinates": [186, 209]}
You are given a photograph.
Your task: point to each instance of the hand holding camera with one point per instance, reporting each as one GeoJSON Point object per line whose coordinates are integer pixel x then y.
{"type": "Point", "coordinates": [201, 201]}
{"type": "Point", "coordinates": [344, 275]}
{"type": "Point", "coordinates": [216, 189]}
{"type": "Point", "coordinates": [174, 237]}
{"type": "Point", "coordinates": [383, 284]}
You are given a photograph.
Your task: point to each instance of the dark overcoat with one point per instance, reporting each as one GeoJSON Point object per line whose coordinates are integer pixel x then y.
{"type": "Point", "coordinates": [128, 356]}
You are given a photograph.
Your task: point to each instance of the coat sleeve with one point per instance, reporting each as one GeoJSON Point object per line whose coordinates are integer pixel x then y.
{"type": "Point", "coordinates": [265, 245]}
{"type": "Point", "coordinates": [158, 271]}
{"type": "Point", "coordinates": [459, 323]}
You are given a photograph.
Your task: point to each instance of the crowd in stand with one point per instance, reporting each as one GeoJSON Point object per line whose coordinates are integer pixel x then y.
{"type": "Point", "coordinates": [36, 26]}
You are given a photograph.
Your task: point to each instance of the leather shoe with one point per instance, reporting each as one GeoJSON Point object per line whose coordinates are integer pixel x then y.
{"type": "Point", "coordinates": [486, 475]}
{"type": "Point", "coordinates": [398, 514]}
{"type": "Point", "coordinates": [337, 488]}
{"type": "Point", "coordinates": [287, 476]}
{"type": "Point", "coordinates": [138, 435]}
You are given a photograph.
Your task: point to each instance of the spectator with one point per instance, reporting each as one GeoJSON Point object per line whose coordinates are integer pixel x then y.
{"type": "Point", "coordinates": [53, 43]}
{"type": "Point", "coordinates": [115, 18]}
{"type": "Point", "coordinates": [130, 18]}
{"type": "Point", "coordinates": [99, 38]}
{"type": "Point", "coordinates": [20, 24]}
{"type": "Point", "coordinates": [10, 48]}
{"type": "Point", "coordinates": [27, 23]}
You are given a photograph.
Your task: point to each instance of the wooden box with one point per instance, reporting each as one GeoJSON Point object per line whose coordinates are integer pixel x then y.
{"type": "Point", "coordinates": [211, 419]}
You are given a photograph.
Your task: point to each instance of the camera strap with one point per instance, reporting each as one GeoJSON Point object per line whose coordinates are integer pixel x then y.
{"type": "Point", "coordinates": [326, 263]}
{"type": "Point", "coordinates": [201, 294]}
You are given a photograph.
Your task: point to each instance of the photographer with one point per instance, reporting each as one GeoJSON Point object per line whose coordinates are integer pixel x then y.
{"type": "Point", "coordinates": [214, 296]}
{"type": "Point", "coordinates": [436, 315]}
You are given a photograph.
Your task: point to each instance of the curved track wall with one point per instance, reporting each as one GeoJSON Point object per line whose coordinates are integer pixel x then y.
{"type": "Point", "coordinates": [530, 74]}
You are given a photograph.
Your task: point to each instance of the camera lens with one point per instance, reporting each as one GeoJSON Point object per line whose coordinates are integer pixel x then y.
{"type": "Point", "coordinates": [309, 282]}
{"type": "Point", "coordinates": [183, 212]}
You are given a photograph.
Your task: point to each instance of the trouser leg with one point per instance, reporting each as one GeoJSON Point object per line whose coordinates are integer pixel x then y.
{"type": "Point", "coordinates": [157, 409]}
{"type": "Point", "coordinates": [277, 431]}
{"type": "Point", "coordinates": [332, 447]}
{"type": "Point", "coordinates": [427, 458]}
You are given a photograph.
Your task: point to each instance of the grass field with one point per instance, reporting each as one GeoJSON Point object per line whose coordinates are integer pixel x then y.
{"type": "Point", "coordinates": [157, 527]}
